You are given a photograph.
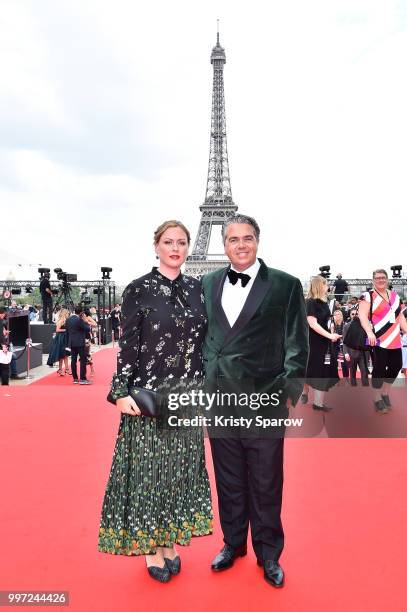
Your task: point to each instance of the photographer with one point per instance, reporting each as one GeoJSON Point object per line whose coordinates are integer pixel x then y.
{"type": "Point", "coordinates": [78, 327]}
{"type": "Point", "coordinates": [46, 296]}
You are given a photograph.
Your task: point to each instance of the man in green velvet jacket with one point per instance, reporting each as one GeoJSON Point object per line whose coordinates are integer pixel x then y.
{"type": "Point", "coordinates": [257, 342]}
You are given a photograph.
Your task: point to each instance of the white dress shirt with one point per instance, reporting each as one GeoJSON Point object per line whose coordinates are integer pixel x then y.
{"type": "Point", "coordinates": [235, 296]}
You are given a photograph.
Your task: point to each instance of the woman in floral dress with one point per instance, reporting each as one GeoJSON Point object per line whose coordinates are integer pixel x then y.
{"type": "Point", "coordinates": [158, 491]}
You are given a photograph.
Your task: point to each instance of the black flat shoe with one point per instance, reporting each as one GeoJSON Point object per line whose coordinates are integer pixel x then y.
{"type": "Point", "coordinates": [227, 556]}
{"type": "Point", "coordinates": [174, 565]}
{"type": "Point", "coordinates": [304, 398]}
{"type": "Point", "coordinates": [273, 572]}
{"type": "Point", "coordinates": [161, 574]}
{"type": "Point", "coordinates": [386, 401]}
{"type": "Point", "coordinates": [380, 407]}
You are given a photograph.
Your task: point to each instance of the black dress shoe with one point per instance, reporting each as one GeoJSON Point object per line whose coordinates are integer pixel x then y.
{"type": "Point", "coordinates": [386, 401]}
{"type": "Point", "coordinates": [227, 556]}
{"type": "Point", "coordinates": [273, 572]}
{"type": "Point", "coordinates": [18, 377]}
{"type": "Point", "coordinates": [162, 574]}
{"type": "Point", "coordinates": [174, 565]}
{"type": "Point", "coordinates": [322, 408]}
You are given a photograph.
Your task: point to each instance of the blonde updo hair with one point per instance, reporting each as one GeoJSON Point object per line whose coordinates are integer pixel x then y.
{"type": "Point", "coordinates": [167, 225]}
{"type": "Point", "coordinates": [315, 289]}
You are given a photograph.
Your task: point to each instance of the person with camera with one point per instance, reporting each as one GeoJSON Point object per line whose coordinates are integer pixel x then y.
{"type": "Point", "coordinates": [46, 296]}
{"type": "Point", "coordinates": [383, 335]}
{"type": "Point", "coordinates": [78, 326]}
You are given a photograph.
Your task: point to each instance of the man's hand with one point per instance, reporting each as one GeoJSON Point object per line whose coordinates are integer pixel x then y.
{"type": "Point", "coordinates": [347, 356]}
{"type": "Point", "coordinates": [4, 348]}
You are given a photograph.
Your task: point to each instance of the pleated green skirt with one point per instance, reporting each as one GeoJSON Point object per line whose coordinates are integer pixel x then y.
{"type": "Point", "coordinates": [158, 490]}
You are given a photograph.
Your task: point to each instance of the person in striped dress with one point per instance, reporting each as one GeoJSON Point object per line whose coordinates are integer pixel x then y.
{"type": "Point", "coordinates": [383, 334]}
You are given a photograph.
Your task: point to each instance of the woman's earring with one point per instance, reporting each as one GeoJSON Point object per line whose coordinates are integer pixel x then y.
{"type": "Point", "coordinates": [156, 256]}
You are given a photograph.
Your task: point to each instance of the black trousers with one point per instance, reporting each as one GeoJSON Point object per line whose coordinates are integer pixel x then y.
{"type": "Point", "coordinates": [78, 351]}
{"type": "Point", "coordinates": [387, 364]}
{"type": "Point", "coordinates": [4, 373]}
{"type": "Point", "coordinates": [360, 359]}
{"type": "Point", "coordinates": [47, 310]}
{"type": "Point", "coordinates": [249, 483]}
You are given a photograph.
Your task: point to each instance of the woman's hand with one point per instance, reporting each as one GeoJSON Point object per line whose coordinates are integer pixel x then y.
{"type": "Point", "coordinates": [127, 405]}
{"type": "Point", "coordinates": [371, 338]}
{"type": "Point", "coordinates": [335, 337]}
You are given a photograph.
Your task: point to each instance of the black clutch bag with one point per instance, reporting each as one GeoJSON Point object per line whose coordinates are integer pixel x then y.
{"type": "Point", "coordinates": [148, 401]}
{"type": "Point", "coordinates": [356, 337]}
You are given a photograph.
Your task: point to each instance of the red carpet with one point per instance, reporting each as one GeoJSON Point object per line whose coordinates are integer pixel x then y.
{"type": "Point", "coordinates": [344, 516]}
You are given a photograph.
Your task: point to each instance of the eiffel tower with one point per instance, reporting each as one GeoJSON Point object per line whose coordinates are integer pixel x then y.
{"type": "Point", "coordinates": [218, 204]}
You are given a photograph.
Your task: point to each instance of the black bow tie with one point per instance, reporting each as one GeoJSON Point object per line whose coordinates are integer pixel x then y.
{"type": "Point", "coordinates": [234, 277]}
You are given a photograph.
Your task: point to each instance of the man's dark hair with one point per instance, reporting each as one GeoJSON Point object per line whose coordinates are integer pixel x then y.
{"type": "Point", "coordinates": [241, 219]}
{"type": "Point", "coordinates": [78, 309]}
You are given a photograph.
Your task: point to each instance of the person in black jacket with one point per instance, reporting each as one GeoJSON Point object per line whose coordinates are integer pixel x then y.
{"type": "Point", "coordinates": [77, 328]}
{"type": "Point", "coordinates": [46, 296]}
{"type": "Point", "coordinates": [116, 318]}
{"type": "Point", "coordinates": [341, 287]}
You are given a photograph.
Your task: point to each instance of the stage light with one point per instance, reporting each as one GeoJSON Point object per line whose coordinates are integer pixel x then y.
{"type": "Point", "coordinates": [16, 291]}
{"type": "Point", "coordinates": [325, 271]}
{"type": "Point", "coordinates": [396, 271]}
{"type": "Point", "coordinates": [28, 289]}
{"type": "Point", "coordinates": [97, 290]}
{"type": "Point", "coordinates": [105, 272]}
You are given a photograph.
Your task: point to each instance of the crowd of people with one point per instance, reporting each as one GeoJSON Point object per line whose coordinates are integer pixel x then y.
{"type": "Point", "coordinates": [245, 325]}
{"type": "Point", "coordinates": [62, 347]}
{"type": "Point", "coordinates": [248, 324]}
{"type": "Point", "coordinates": [382, 315]}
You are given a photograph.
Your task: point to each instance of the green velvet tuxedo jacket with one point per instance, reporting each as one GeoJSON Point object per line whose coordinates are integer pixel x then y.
{"type": "Point", "coordinates": [267, 348]}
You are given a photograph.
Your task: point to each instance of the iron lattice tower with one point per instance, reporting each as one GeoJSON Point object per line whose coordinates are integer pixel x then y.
{"type": "Point", "coordinates": [218, 204]}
